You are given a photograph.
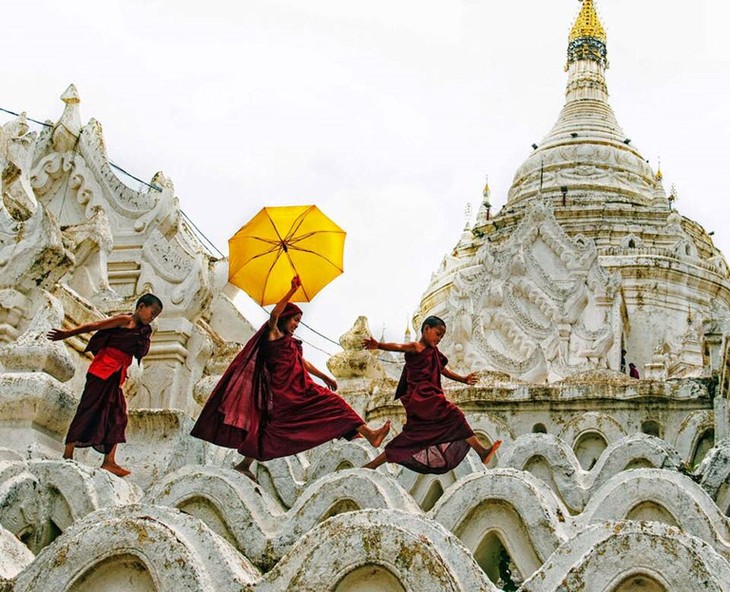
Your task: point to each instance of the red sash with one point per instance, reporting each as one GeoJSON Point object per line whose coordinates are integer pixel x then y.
{"type": "Point", "coordinates": [108, 361]}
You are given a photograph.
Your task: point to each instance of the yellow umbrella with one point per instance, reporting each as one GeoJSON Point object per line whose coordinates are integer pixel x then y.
{"type": "Point", "coordinates": [281, 242]}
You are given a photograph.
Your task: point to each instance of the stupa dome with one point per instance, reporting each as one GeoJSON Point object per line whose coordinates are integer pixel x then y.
{"type": "Point", "coordinates": [586, 152]}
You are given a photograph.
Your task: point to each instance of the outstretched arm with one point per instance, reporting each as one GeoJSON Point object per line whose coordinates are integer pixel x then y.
{"type": "Point", "coordinates": [371, 343]}
{"type": "Point", "coordinates": [468, 379]}
{"type": "Point", "coordinates": [329, 381]}
{"type": "Point", "coordinates": [110, 323]}
{"type": "Point", "coordinates": [279, 308]}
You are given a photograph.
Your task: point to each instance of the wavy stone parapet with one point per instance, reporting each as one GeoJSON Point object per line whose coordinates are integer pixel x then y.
{"type": "Point", "coordinates": [597, 560]}
{"type": "Point", "coordinates": [559, 467]}
{"type": "Point", "coordinates": [355, 526]}
{"type": "Point", "coordinates": [412, 552]}
{"type": "Point", "coordinates": [255, 523]}
{"type": "Point", "coordinates": [148, 544]}
{"type": "Point", "coordinates": [39, 498]}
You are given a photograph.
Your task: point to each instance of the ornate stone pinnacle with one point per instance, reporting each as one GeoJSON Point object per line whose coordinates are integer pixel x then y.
{"type": "Point", "coordinates": [71, 95]}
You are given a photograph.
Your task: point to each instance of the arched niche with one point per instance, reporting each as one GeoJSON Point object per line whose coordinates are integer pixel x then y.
{"type": "Point", "coordinates": [639, 583]}
{"type": "Point", "coordinates": [639, 463]}
{"type": "Point", "coordinates": [541, 468]}
{"type": "Point", "coordinates": [539, 428]}
{"type": "Point", "coordinates": [704, 442]}
{"type": "Point", "coordinates": [494, 559]}
{"type": "Point", "coordinates": [369, 578]}
{"type": "Point", "coordinates": [588, 448]}
{"type": "Point", "coordinates": [652, 428]}
{"type": "Point", "coordinates": [121, 572]}
{"type": "Point", "coordinates": [340, 507]}
{"type": "Point", "coordinates": [434, 493]}
{"type": "Point", "coordinates": [206, 510]}
{"type": "Point", "coordinates": [652, 512]}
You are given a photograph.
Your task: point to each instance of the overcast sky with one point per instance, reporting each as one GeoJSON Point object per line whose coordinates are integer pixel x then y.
{"type": "Point", "coordinates": [387, 114]}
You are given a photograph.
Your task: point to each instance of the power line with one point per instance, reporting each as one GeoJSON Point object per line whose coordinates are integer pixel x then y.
{"type": "Point", "coordinates": [44, 123]}
{"type": "Point", "coordinates": [155, 187]}
{"type": "Point", "coordinates": [199, 233]}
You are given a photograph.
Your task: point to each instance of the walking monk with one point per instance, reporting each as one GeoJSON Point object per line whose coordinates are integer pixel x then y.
{"type": "Point", "coordinates": [101, 417]}
{"type": "Point", "coordinates": [267, 405]}
{"type": "Point", "coordinates": [436, 436]}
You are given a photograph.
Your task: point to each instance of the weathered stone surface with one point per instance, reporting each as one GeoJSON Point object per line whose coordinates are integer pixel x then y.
{"type": "Point", "coordinates": [418, 553]}
{"type": "Point", "coordinates": [14, 557]}
{"type": "Point", "coordinates": [612, 553]}
{"type": "Point", "coordinates": [156, 548]}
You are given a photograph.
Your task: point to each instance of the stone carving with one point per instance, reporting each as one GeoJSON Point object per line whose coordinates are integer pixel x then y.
{"type": "Point", "coordinates": [17, 143]}
{"type": "Point", "coordinates": [544, 306]}
{"type": "Point", "coordinates": [461, 327]}
{"type": "Point", "coordinates": [90, 242]}
{"type": "Point", "coordinates": [354, 361]}
{"type": "Point", "coordinates": [32, 352]}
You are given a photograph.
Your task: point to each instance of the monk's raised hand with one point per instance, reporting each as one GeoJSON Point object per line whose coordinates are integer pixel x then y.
{"type": "Point", "coordinates": [370, 343]}
{"type": "Point", "coordinates": [56, 335]}
{"type": "Point", "coordinates": [330, 382]}
{"type": "Point", "coordinates": [472, 378]}
{"type": "Point", "coordinates": [295, 282]}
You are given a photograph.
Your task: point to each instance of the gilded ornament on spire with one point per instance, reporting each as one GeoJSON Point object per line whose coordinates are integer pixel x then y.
{"type": "Point", "coordinates": [587, 24]}
{"type": "Point", "coordinates": [587, 39]}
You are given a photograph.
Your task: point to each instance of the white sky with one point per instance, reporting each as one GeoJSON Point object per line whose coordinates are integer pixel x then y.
{"type": "Point", "coordinates": [387, 114]}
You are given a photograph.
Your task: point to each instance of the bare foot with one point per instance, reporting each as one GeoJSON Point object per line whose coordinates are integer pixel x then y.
{"type": "Point", "coordinates": [115, 469]}
{"type": "Point", "coordinates": [490, 453]}
{"type": "Point", "coordinates": [245, 471]}
{"type": "Point", "coordinates": [379, 434]}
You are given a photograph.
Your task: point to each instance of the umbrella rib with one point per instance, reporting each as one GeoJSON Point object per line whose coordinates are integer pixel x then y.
{"type": "Point", "coordinates": [299, 220]}
{"type": "Point", "coordinates": [274, 247]}
{"type": "Point", "coordinates": [301, 286]}
{"type": "Point", "coordinates": [301, 237]}
{"type": "Point", "coordinates": [327, 259]}
{"type": "Point", "coordinates": [276, 230]}
{"type": "Point", "coordinates": [268, 275]}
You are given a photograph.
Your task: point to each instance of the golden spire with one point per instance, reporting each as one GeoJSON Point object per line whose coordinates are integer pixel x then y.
{"type": "Point", "coordinates": [587, 24]}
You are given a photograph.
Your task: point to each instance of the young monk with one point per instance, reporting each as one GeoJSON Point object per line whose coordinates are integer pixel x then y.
{"type": "Point", "coordinates": [436, 436]}
{"type": "Point", "coordinates": [101, 417]}
{"type": "Point", "coordinates": [267, 405]}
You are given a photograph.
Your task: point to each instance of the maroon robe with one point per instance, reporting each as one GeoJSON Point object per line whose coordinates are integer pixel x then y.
{"type": "Point", "coordinates": [433, 438]}
{"type": "Point", "coordinates": [267, 405]}
{"type": "Point", "coordinates": [101, 417]}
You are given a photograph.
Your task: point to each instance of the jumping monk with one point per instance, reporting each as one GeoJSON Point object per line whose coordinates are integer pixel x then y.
{"type": "Point", "coordinates": [266, 404]}
{"type": "Point", "coordinates": [101, 417]}
{"type": "Point", "coordinates": [436, 436]}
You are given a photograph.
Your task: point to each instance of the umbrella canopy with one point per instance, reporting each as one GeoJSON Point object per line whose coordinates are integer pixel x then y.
{"type": "Point", "coordinates": [281, 242]}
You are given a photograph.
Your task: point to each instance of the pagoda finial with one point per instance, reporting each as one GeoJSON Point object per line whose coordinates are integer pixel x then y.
{"type": "Point", "coordinates": [587, 40]}
{"type": "Point", "coordinates": [588, 24]}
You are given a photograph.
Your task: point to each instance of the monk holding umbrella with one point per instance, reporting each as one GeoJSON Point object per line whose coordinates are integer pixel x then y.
{"type": "Point", "coordinates": [266, 404]}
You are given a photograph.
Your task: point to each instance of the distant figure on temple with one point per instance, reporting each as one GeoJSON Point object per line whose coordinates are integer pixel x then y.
{"type": "Point", "coordinates": [633, 370]}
